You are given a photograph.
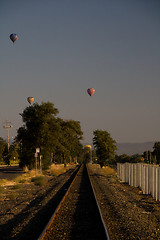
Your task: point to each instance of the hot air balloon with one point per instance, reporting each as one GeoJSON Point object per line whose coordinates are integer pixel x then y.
{"type": "Point", "coordinates": [91, 91]}
{"type": "Point", "coordinates": [30, 99]}
{"type": "Point", "coordinates": [13, 37]}
{"type": "Point", "coordinates": [88, 146]}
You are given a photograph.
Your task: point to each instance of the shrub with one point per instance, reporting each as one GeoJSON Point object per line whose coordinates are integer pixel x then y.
{"type": "Point", "coordinates": [1, 189]}
{"type": "Point", "coordinates": [18, 186]}
{"type": "Point", "coordinates": [40, 180]}
{"type": "Point", "coordinates": [22, 181]}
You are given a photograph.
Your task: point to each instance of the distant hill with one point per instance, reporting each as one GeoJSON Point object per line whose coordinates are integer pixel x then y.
{"type": "Point", "coordinates": [132, 148]}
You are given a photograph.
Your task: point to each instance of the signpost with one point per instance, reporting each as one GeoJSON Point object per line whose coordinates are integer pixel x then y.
{"type": "Point", "coordinates": [51, 162]}
{"type": "Point", "coordinates": [40, 164]}
{"type": "Point", "coordinates": [37, 150]}
{"type": "Point", "coordinates": [36, 155]}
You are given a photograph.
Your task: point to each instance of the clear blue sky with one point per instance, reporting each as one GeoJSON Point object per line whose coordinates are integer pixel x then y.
{"type": "Point", "coordinates": [67, 46]}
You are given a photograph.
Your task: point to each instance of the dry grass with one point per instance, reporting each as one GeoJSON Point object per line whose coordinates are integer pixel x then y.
{"type": "Point", "coordinates": [25, 177]}
{"type": "Point", "coordinates": [57, 169]}
{"type": "Point", "coordinates": [103, 171]}
{"type": "Point", "coordinates": [3, 182]}
{"type": "Point", "coordinates": [107, 172]}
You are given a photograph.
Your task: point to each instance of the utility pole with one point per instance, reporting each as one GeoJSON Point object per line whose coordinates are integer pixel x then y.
{"type": "Point", "coordinates": [7, 125]}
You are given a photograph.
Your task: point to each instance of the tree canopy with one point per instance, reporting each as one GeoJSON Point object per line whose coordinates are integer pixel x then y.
{"type": "Point", "coordinates": [3, 149]}
{"type": "Point", "coordinates": [105, 147]}
{"type": "Point", "coordinates": [42, 129]}
{"type": "Point", "coordinates": [156, 152]}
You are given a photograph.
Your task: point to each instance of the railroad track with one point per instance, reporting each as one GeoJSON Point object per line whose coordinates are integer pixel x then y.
{"type": "Point", "coordinates": [78, 215]}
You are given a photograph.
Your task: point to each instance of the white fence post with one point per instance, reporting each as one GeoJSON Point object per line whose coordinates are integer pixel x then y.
{"type": "Point", "coordinates": [147, 180]}
{"type": "Point", "coordinates": [147, 177]}
{"type": "Point", "coordinates": [140, 175]}
{"type": "Point", "coordinates": [157, 184]}
{"type": "Point", "coordinates": [127, 173]}
{"type": "Point", "coordinates": [143, 179]}
{"type": "Point", "coordinates": [118, 166]}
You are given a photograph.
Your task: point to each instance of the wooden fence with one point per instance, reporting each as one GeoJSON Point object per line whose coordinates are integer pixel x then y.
{"type": "Point", "coordinates": [144, 176]}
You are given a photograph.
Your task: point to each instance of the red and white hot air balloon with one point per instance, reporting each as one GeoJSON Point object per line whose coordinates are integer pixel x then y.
{"type": "Point", "coordinates": [91, 91]}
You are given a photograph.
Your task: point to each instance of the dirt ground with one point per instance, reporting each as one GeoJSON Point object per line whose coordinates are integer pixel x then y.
{"type": "Point", "coordinates": [25, 208]}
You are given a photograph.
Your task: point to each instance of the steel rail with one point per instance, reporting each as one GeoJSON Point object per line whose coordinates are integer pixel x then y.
{"type": "Point", "coordinates": [43, 234]}
{"type": "Point", "coordinates": [99, 210]}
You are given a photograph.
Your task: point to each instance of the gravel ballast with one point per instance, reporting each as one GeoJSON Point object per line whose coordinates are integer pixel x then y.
{"type": "Point", "coordinates": [128, 214]}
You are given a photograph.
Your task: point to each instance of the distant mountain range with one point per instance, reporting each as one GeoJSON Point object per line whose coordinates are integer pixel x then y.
{"type": "Point", "coordinates": [133, 148]}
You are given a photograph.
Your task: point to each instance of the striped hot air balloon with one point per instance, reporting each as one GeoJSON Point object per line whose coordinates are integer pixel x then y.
{"type": "Point", "coordinates": [91, 91]}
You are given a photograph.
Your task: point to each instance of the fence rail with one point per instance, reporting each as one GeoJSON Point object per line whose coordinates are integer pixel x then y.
{"type": "Point", "coordinates": [144, 176]}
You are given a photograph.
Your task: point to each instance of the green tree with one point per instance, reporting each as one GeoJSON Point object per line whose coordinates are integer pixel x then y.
{"type": "Point", "coordinates": [3, 148]}
{"type": "Point", "coordinates": [135, 158]}
{"type": "Point", "coordinates": [123, 158]}
{"type": "Point", "coordinates": [156, 152]}
{"type": "Point", "coordinates": [145, 156]}
{"type": "Point", "coordinates": [94, 156]}
{"type": "Point", "coordinates": [70, 137]}
{"type": "Point", "coordinates": [105, 147]}
{"type": "Point", "coordinates": [13, 153]}
{"type": "Point", "coordinates": [40, 130]}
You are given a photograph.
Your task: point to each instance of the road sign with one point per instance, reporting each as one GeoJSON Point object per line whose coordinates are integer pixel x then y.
{"type": "Point", "coordinates": [37, 150]}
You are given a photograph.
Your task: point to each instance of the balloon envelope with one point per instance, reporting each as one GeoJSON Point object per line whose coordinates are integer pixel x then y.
{"type": "Point", "coordinates": [30, 99]}
{"type": "Point", "coordinates": [13, 37]}
{"type": "Point", "coordinates": [91, 91]}
{"type": "Point", "coordinates": [88, 146]}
